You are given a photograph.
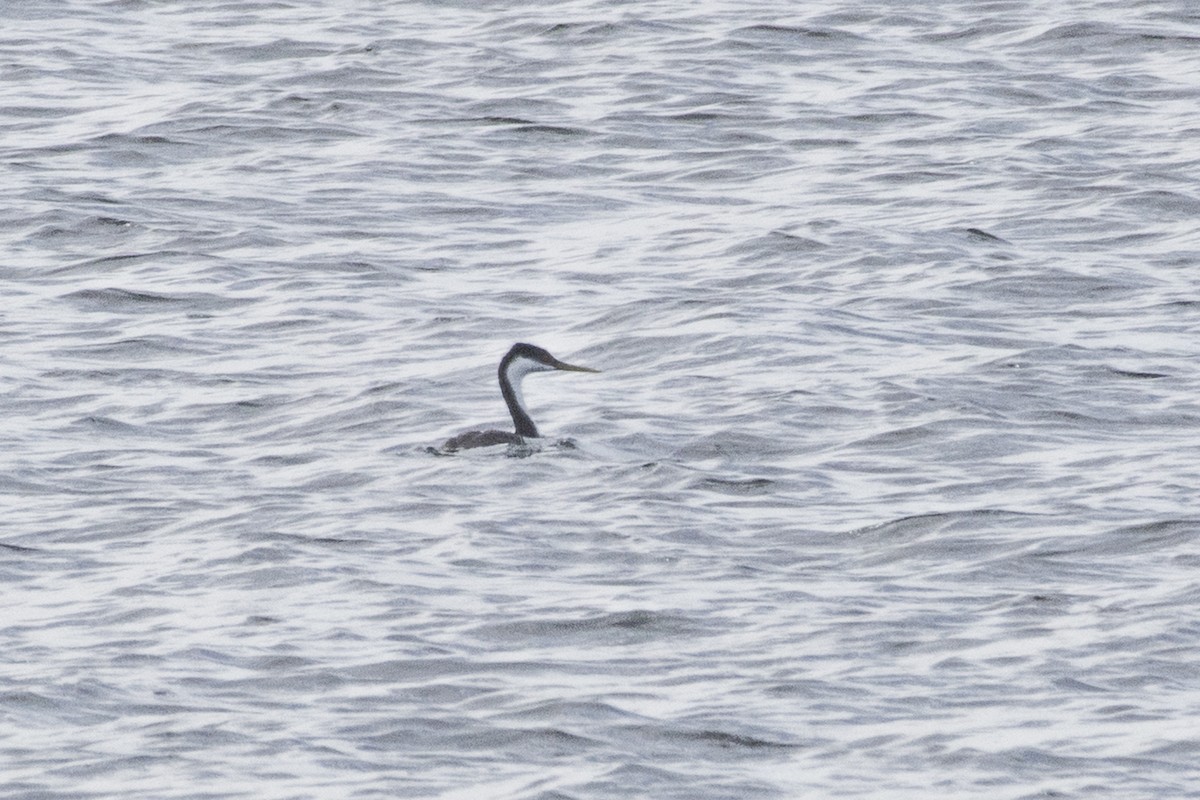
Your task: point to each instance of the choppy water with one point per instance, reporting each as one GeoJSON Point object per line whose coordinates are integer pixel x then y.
{"type": "Point", "coordinates": [888, 485]}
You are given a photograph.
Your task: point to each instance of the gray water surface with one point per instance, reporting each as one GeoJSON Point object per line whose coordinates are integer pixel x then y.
{"type": "Point", "coordinates": [887, 487]}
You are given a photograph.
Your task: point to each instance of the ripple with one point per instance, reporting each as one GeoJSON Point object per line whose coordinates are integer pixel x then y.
{"type": "Point", "coordinates": [891, 463]}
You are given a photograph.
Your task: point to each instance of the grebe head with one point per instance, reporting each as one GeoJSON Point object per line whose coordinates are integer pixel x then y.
{"type": "Point", "coordinates": [521, 360]}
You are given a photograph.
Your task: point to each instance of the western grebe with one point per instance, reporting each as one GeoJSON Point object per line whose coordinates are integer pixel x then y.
{"type": "Point", "coordinates": [520, 360]}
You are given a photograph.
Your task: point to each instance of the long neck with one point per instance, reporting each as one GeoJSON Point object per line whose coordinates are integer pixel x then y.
{"type": "Point", "coordinates": [512, 396]}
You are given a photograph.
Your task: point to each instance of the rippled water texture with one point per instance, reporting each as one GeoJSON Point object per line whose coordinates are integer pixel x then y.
{"type": "Point", "coordinates": [887, 486]}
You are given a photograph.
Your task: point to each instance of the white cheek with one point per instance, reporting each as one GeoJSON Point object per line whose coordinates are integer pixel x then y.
{"type": "Point", "coordinates": [517, 370]}
{"type": "Point", "coordinates": [521, 367]}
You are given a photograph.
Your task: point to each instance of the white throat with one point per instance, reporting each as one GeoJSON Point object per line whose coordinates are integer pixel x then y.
{"type": "Point", "coordinates": [518, 368]}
